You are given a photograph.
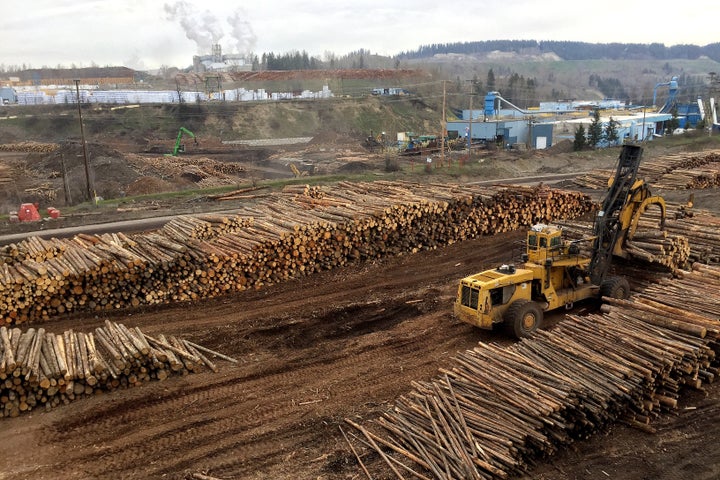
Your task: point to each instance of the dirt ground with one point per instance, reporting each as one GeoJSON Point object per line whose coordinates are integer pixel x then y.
{"type": "Point", "coordinates": [312, 352]}
{"type": "Point", "coordinates": [340, 344]}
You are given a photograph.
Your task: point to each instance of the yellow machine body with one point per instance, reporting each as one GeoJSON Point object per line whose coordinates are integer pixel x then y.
{"type": "Point", "coordinates": [554, 276]}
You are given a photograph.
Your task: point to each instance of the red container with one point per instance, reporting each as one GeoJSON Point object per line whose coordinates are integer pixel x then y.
{"type": "Point", "coordinates": [28, 213]}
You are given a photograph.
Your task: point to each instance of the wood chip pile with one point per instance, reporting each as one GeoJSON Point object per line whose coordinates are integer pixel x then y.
{"type": "Point", "coordinates": [496, 410]}
{"type": "Point", "coordinates": [293, 233]}
{"type": "Point", "coordinates": [31, 147]}
{"type": "Point", "coordinates": [41, 370]}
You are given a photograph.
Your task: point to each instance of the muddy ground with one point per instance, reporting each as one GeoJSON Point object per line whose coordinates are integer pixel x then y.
{"type": "Point", "coordinates": [312, 352]}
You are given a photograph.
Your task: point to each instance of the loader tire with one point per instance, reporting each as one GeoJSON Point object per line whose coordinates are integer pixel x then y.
{"type": "Point", "coordinates": [523, 318]}
{"type": "Point", "coordinates": [615, 287]}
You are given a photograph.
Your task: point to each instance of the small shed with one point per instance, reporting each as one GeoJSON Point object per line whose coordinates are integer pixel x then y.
{"type": "Point", "coordinates": [8, 96]}
{"type": "Point", "coordinates": [505, 131]}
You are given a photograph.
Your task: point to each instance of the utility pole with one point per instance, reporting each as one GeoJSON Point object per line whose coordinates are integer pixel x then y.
{"type": "Point", "coordinates": [66, 186]}
{"type": "Point", "coordinates": [468, 129]}
{"type": "Point", "coordinates": [442, 131]}
{"type": "Point", "coordinates": [82, 136]}
{"type": "Point", "coordinates": [470, 122]}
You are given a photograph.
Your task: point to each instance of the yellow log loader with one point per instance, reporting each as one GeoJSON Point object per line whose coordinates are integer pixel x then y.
{"type": "Point", "coordinates": [554, 272]}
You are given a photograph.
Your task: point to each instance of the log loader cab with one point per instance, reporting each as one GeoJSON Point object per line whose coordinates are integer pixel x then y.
{"type": "Point", "coordinates": [554, 273]}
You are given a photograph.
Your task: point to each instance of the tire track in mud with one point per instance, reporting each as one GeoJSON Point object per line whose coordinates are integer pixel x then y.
{"type": "Point", "coordinates": [216, 428]}
{"type": "Point", "coordinates": [311, 333]}
{"type": "Point", "coordinates": [211, 425]}
{"type": "Point", "coordinates": [312, 351]}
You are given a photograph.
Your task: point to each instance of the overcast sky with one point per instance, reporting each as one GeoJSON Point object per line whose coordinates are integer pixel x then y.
{"type": "Point", "coordinates": [145, 34]}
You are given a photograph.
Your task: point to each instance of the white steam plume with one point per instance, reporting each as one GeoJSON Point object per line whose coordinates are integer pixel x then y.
{"type": "Point", "coordinates": [205, 29]}
{"type": "Point", "coordinates": [241, 32]}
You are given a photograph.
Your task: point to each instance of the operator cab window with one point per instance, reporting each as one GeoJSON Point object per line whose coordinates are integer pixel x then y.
{"type": "Point", "coordinates": [532, 242]}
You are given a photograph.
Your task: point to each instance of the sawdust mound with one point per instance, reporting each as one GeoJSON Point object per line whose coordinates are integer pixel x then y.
{"type": "Point", "coordinates": [354, 167]}
{"type": "Point", "coordinates": [148, 185]}
{"type": "Point", "coordinates": [563, 146]}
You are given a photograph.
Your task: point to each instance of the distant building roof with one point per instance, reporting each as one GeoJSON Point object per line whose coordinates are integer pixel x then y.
{"type": "Point", "coordinates": [648, 117]}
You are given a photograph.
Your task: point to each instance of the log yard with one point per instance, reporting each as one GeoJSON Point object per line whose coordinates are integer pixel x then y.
{"type": "Point", "coordinates": [319, 308]}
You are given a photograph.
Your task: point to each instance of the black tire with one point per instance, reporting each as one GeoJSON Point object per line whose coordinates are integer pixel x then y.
{"type": "Point", "coordinates": [523, 318]}
{"type": "Point", "coordinates": [615, 287]}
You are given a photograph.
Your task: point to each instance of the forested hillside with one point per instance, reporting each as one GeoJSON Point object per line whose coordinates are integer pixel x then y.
{"type": "Point", "coordinates": [567, 50]}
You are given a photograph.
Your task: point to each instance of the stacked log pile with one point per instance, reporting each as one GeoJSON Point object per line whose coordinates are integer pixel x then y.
{"type": "Point", "coordinates": [660, 247]}
{"type": "Point", "coordinates": [671, 172]}
{"type": "Point", "coordinates": [296, 232]}
{"type": "Point", "coordinates": [594, 179]}
{"type": "Point", "coordinates": [496, 410]}
{"type": "Point", "coordinates": [4, 175]}
{"type": "Point", "coordinates": [690, 235]}
{"type": "Point", "coordinates": [39, 369]}
{"type": "Point", "coordinates": [700, 226]}
{"type": "Point", "coordinates": [707, 176]}
{"type": "Point", "coordinates": [654, 170]}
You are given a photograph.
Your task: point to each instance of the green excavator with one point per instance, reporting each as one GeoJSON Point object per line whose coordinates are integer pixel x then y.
{"type": "Point", "coordinates": [179, 146]}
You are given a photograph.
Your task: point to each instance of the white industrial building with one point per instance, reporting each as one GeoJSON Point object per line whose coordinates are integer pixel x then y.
{"type": "Point", "coordinates": [217, 62]}
{"type": "Point", "coordinates": [638, 126]}
{"type": "Point", "coordinates": [8, 96]}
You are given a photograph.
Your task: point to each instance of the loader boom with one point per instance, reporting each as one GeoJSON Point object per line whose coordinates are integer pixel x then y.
{"type": "Point", "coordinates": [617, 220]}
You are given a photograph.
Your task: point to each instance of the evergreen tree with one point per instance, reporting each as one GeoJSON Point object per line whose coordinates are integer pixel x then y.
{"type": "Point", "coordinates": [490, 80]}
{"type": "Point", "coordinates": [580, 142]}
{"type": "Point", "coordinates": [595, 131]}
{"type": "Point", "coordinates": [611, 131]}
{"type": "Point", "coordinates": [531, 92]}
